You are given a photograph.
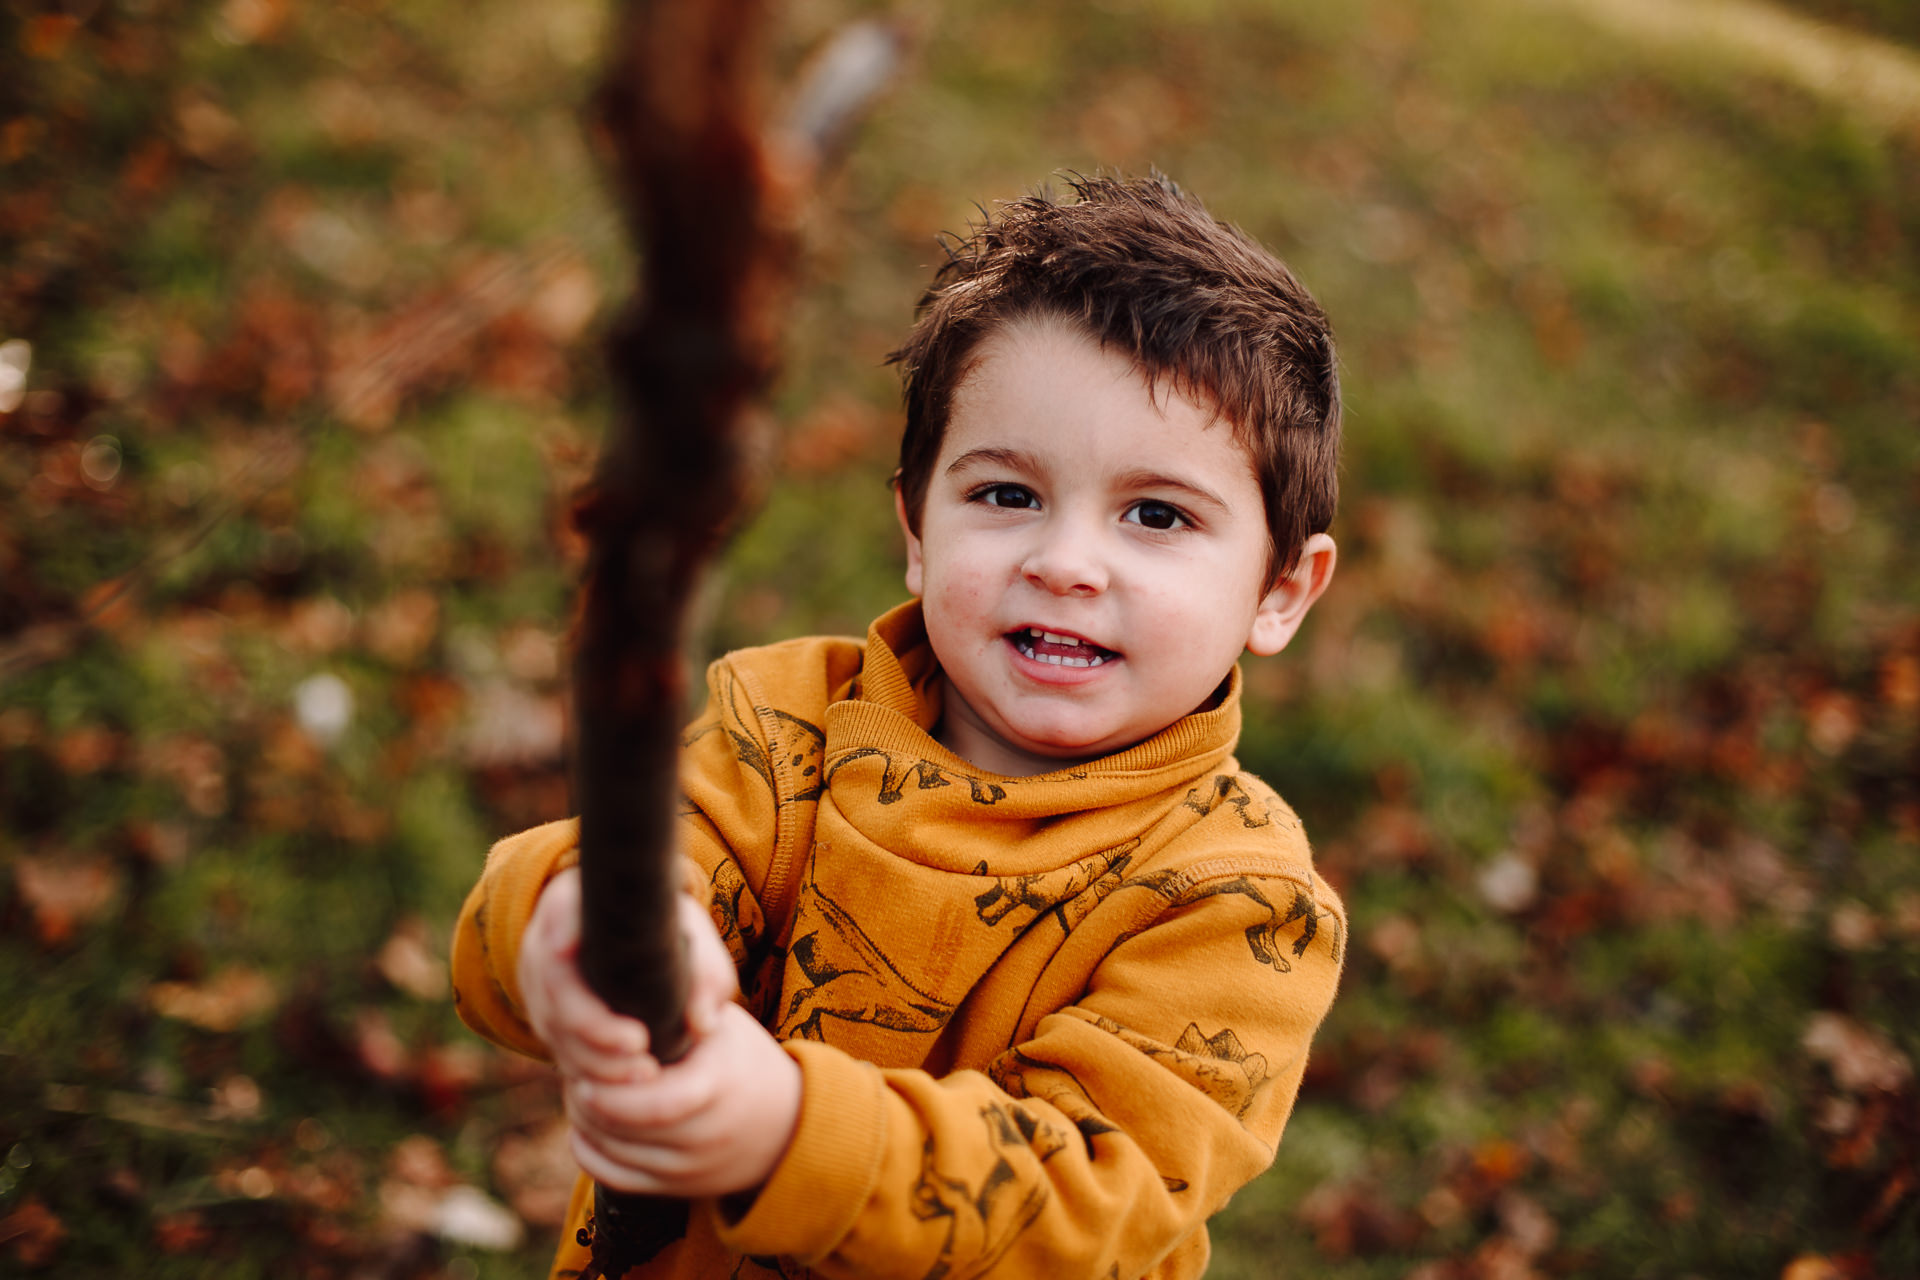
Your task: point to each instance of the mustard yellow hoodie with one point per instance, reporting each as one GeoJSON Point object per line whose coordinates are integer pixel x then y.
{"type": "Point", "coordinates": [1046, 1025]}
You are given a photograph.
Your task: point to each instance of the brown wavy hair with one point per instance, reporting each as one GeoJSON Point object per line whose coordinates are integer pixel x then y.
{"type": "Point", "coordinates": [1144, 269]}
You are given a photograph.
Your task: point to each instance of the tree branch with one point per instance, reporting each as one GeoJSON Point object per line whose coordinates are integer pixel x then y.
{"type": "Point", "coordinates": [711, 202]}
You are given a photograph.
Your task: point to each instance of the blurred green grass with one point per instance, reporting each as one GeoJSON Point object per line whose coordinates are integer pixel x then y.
{"type": "Point", "coordinates": [1607, 729]}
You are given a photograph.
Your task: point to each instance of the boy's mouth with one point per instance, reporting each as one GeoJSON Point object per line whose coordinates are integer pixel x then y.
{"type": "Point", "coordinates": [1059, 649]}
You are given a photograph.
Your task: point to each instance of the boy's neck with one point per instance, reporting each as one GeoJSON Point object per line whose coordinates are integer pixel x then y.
{"type": "Point", "coordinates": [959, 731]}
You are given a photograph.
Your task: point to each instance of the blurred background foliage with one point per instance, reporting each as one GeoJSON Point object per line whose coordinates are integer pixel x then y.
{"type": "Point", "coordinates": [1608, 730]}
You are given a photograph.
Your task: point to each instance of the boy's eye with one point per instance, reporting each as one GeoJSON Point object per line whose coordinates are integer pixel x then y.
{"type": "Point", "coordinates": [1007, 495]}
{"type": "Point", "coordinates": [1155, 515]}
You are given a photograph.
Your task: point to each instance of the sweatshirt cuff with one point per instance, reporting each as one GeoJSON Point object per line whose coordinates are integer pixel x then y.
{"type": "Point", "coordinates": [486, 941]}
{"type": "Point", "coordinates": [824, 1180]}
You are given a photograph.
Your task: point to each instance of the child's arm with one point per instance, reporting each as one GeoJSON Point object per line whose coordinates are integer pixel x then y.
{"type": "Point", "coordinates": [728, 834]}
{"type": "Point", "coordinates": [486, 938]}
{"type": "Point", "coordinates": [1097, 1144]}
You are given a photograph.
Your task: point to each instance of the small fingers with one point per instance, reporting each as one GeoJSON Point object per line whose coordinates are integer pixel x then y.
{"type": "Point", "coordinates": [585, 1037]}
{"type": "Point", "coordinates": [610, 1173]}
{"type": "Point", "coordinates": [575, 1012]}
{"type": "Point", "coordinates": [586, 1066]}
{"type": "Point", "coordinates": [717, 1121]}
{"type": "Point", "coordinates": [641, 1109]}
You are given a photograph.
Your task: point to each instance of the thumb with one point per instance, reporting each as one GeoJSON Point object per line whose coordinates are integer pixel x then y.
{"type": "Point", "coordinates": [556, 914]}
{"type": "Point", "coordinates": [712, 981]}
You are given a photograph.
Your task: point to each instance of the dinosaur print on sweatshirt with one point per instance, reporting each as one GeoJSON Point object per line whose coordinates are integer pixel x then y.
{"type": "Point", "coordinates": [788, 763]}
{"type": "Point", "coordinates": [1082, 884]}
{"type": "Point", "coordinates": [835, 971]}
{"type": "Point", "coordinates": [984, 1216]}
{"type": "Point", "coordinates": [1217, 1065]}
{"type": "Point", "coordinates": [1267, 940]}
{"type": "Point", "coordinates": [927, 775]}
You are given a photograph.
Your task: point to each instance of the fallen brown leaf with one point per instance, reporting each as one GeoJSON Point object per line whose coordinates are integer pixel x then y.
{"type": "Point", "coordinates": [1499, 1162]}
{"type": "Point", "coordinates": [64, 892]}
{"type": "Point", "coordinates": [32, 1233]}
{"type": "Point", "coordinates": [408, 1207]}
{"type": "Point", "coordinates": [1856, 1131]}
{"type": "Point", "coordinates": [1501, 1259]}
{"type": "Point", "coordinates": [530, 654]}
{"type": "Point", "coordinates": [1524, 1222]}
{"type": "Point", "coordinates": [381, 1052]}
{"type": "Point", "coordinates": [448, 1072]}
{"type": "Point", "coordinates": [196, 765]}
{"type": "Point", "coordinates": [254, 21]}
{"type": "Point", "coordinates": [1355, 1219]}
{"type": "Point", "coordinates": [536, 1172]}
{"type": "Point", "coordinates": [88, 748]}
{"type": "Point", "coordinates": [1861, 1059]}
{"type": "Point", "coordinates": [1895, 1191]}
{"type": "Point", "coordinates": [235, 1098]}
{"type": "Point", "coordinates": [1900, 682]}
{"type": "Point", "coordinates": [230, 998]}
{"type": "Point", "coordinates": [417, 1176]}
{"type": "Point", "coordinates": [329, 1186]}
{"type": "Point", "coordinates": [400, 629]}
{"type": "Point", "coordinates": [410, 964]}
{"type": "Point", "coordinates": [317, 626]}
{"type": "Point", "coordinates": [419, 1161]}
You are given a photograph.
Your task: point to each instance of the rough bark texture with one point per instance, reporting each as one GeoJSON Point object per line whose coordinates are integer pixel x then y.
{"type": "Point", "coordinates": [690, 358]}
{"type": "Point", "coordinates": [710, 198]}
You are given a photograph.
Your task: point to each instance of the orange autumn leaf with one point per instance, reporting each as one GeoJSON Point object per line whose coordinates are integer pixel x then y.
{"type": "Point", "coordinates": [47, 36]}
{"type": "Point", "coordinates": [32, 1233]}
{"type": "Point", "coordinates": [63, 893]}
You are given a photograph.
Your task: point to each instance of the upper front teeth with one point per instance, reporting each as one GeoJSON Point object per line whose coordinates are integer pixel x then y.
{"type": "Point", "coordinates": [1058, 659]}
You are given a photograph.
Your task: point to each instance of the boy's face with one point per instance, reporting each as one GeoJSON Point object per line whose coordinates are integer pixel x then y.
{"type": "Point", "coordinates": [1090, 558]}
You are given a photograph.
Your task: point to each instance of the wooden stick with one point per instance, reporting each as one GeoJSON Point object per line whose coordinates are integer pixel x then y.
{"type": "Point", "coordinates": [690, 356]}
{"type": "Point", "coordinates": [710, 201]}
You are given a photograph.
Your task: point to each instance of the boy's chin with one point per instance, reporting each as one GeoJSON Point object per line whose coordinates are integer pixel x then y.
{"type": "Point", "coordinates": [1071, 746]}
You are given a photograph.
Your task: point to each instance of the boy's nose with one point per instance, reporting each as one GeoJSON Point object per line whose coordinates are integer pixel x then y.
{"type": "Point", "coordinates": [1066, 563]}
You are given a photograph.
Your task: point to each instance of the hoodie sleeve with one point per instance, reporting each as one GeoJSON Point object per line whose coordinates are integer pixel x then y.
{"type": "Point", "coordinates": [486, 939]}
{"type": "Point", "coordinates": [1097, 1146]}
{"type": "Point", "coordinates": [728, 832]}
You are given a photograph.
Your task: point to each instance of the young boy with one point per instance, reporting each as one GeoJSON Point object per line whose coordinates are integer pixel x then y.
{"type": "Point", "coordinates": [1030, 965]}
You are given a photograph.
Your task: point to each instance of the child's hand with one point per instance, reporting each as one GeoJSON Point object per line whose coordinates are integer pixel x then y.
{"type": "Point", "coordinates": [715, 1122]}
{"type": "Point", "coordinates": [587, 1039]}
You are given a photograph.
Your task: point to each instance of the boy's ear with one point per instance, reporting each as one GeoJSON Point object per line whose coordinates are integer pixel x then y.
{"type": "Point", "coordinates": [1282, 609]}
{"type": "Point", "coordinates": [916, 574]}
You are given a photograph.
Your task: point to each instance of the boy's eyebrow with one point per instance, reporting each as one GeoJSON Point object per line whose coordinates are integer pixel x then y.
{"type": "Point", "coordinates": [1012, 459]}
{"type": "Point", "coordinates": [1157, 480]}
